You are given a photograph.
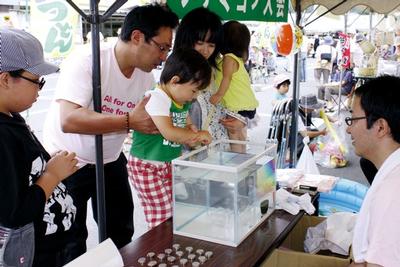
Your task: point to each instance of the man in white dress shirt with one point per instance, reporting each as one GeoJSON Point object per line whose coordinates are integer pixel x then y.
{"type": "Point", "coordinates": [375, 132]}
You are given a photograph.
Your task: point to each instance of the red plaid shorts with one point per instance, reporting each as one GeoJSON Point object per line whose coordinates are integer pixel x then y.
{"type": "Point", "coordinates": [153, 184]}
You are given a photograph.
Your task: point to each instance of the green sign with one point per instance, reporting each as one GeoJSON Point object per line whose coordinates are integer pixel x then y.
{"type": "Point", "coordinates": [258, 10]}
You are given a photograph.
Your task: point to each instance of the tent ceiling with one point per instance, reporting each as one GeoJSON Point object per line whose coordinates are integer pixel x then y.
{"type": "Point", "coordinates": [378, 6]}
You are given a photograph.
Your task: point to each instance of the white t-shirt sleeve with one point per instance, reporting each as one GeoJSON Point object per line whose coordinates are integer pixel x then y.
{"type": "Point", "coordinates": [75, 83]}
{"type": "Point", "coordinates": [159, 103]}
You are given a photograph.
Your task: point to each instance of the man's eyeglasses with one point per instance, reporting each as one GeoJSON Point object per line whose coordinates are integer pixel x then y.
{"type": "Point", "coordinates": [39, 82]}
{"type": "Point", "coordinates": [163, 49]}
{"type": "Point", "coordinates": [349, 120]}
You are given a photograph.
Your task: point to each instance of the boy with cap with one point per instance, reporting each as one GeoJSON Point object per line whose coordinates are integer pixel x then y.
{"type": "Point", "coordinates": [36, 211]}
{"type": "Point", "coordinates": [281, 84]}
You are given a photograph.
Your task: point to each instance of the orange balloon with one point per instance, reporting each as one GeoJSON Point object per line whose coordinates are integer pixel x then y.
{"type": "Point", "coordinates": [285, 39]}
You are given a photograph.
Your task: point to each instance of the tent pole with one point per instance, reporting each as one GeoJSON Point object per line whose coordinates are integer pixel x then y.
{"type": "Point", "coordinates": [370, 25]}
{"type": "Point", "coordinates": [295, 106]}
{"type": "Point", "coordinates": [95, 20]}
{"type": "Point", "coordinates": [100, 188]}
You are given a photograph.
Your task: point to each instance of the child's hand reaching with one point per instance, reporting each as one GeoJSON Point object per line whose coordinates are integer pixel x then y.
{"type": "Point", "coordinates": [192, 127]}
{"type": "Point", "coordinates": [62, 165]}
{"type": "Point", "coordinates": [59, 167]}
{"type": "Point", "coordinates": [215, 99]}
{"type": "Point", "coordinates": [323, 132]}
{"type": "Point", "coordinates": [204, 137]}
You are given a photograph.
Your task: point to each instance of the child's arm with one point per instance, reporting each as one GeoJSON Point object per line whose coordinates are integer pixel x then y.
{"type": "Point", "coordinates": [190, 125]}
{"type": "Point", "coordinates": [180, 135]}
{"type": "Point", "coordinates": [313, 134]}
{"type": "Point", "coordinates": [59, 167]}
{"type": "Point", "coordinates": [229, 67]}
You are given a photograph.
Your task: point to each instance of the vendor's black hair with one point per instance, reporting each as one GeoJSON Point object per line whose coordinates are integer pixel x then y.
{"type": "Point", "coordinates": [148, 19]}
{"type": "Point", "coordinates": [189, 65]}
{"type": "Point", "coordinates": [380, 98]}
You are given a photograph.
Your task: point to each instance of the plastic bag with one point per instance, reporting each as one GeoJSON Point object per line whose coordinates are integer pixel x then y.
{"type": "Point", "coordinates": [329, 155]}
{"type": "Point", "coordinates": [331, 151]}
{"type": "Point", "coordinates": [306, 161]}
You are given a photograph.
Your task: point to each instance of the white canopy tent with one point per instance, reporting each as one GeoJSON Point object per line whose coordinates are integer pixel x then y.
{"type": "Point", "coordinates": [378, 6]}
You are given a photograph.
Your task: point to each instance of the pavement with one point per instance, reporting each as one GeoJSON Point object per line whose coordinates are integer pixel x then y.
{"type": "Point", "coordinates": [264, 93]}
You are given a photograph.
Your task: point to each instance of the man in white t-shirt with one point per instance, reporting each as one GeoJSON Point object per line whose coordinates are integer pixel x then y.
{"type": "Point", "coordinates": [71, 123]}
{"type": "Point", "coordinates": [375, 133]}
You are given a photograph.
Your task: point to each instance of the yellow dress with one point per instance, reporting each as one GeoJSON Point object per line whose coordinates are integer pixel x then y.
{"type": "Point", "coordinates": [239, 96]}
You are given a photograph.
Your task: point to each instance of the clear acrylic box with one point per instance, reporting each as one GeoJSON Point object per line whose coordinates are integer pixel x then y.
{"type": "Point", "coordinates": [222, 196]}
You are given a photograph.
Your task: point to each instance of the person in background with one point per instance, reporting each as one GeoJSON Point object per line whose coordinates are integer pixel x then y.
{"type": "Point", "coordinates": [374, 127]}
{"type": "Point", "coordinates": [325, 93]}
{"type": "Point", "coordinates": [356, 51]}
{"type": "Point", "coordinates": [325, 56]}
{"type": "Point", "coordinates": [37, 212]}
{"type": "Point", "coordinates": [315, 45]}
{"type": "Point", "coordinates": [235, 92]}
{"type": "Point", "coordinates": [303, 59]}
{"type": "Point", "coordinates": [396, 54]}
{"type": "Point", "coordinates": [270, 62]}
{"type": "Point", "coordinates": [71, 123]}
{"type": "Point", "coordinates": [281, 84]}
{"type": "Point", "coordinates": [309, 106]}
{"type": "Point", "coordinates": [201, 29]}
{"type": "Point", "coordinates": [185, 73]}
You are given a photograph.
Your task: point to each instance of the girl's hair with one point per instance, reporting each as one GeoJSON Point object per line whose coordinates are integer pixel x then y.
{"type": "Point", "coordinates": [189, 65]}
{"type": "Point", "coordinates": [236, 39]}
{"type": "Point", "coordinates": [194, 27]}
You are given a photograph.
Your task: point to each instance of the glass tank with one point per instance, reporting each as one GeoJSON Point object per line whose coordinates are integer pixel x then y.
{"type": "Point", "coordinates": [221, 195]}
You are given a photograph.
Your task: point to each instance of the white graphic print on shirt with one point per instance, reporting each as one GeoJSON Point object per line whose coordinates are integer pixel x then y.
{"type": "Point", "coordinates": [59, 212]}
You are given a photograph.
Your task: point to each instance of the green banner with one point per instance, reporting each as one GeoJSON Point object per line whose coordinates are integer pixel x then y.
{"type": "Point", "coordinates": [257, 10]}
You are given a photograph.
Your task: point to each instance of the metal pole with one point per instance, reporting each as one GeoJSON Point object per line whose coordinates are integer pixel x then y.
{"type": "Point", "coordinates": [100, 187]}
{"type": "Point", "coordinates": [295, 106]}
{"type": "Point", "coordinates": [370, 25]}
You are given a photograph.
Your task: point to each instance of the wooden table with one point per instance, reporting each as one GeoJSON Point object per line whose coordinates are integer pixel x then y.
{"type": "Point", "coordinates": [251, 252]}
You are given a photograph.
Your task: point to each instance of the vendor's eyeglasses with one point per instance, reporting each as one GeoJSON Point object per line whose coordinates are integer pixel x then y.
{"type": "Point", "coordinates": [164, 49]}
{"type": "Point", "coordinates": [349, 120]}
{"type": "Point", "coordinates": [39, 82]}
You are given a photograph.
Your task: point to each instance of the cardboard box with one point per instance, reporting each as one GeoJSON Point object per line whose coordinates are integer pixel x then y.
{"type": "Point", "coordinates": [291, 253]}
